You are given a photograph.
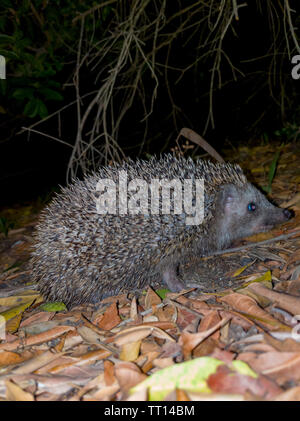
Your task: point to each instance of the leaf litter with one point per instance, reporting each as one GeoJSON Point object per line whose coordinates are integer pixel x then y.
{"type": "Point", "coordinates": [233, 334]}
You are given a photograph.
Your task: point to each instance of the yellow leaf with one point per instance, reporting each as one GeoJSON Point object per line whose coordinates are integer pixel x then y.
{"type": "Point", "coordinates": [240, 270]}
{"type": "Point", "coordinates": [13, 324]}
{"type": "Point", "coordinates": [15, 393]}
{"type": "Point", "coordinates": [18, 299]}
{"type": "Point", "coordinates": [130, 351]}
{"type": "Point", "coordinates": [12, 312]}
{"type": "Point", "coordinates": [266, 278]}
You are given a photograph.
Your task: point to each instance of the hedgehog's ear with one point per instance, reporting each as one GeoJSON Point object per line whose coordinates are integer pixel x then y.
{"type": "Point", "coordinates": [228, 197]}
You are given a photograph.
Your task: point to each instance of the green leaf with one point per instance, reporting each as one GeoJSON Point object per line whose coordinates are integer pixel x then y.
{"type": "Point", "coordinates": [54, 306]}
{"type": "Point", "coordinates": [8, 54]}
{"type": "Point", "coordinates": [191, 376]}
{"type": "Point", "coordinates": [23, 93]}
{"type": "Point", "coordinates": [272, 171]}
{"type": "Point", "coordinates": [6, 38]}
{"type": "Point", "coordinates": [42, 109]}
{"type": "Point", "coordinates": [31, 108]}
{"type": "Point", "coordinates": [243, 368]}
{"type": "Point", "coordinates": [51, 94]}
{"type": "Point", "coordinates": [162, 292]}
{"type": "Point", "coordinates": [273, 167]}
{"type": "Point", "coordinates": [53, 84]}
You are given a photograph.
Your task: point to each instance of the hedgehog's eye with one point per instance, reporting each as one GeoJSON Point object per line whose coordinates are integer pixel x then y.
{"type": "Point", "coordinates": [251, 207]}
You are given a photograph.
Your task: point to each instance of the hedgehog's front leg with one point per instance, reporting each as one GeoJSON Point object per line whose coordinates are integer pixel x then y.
{"type": "Point", "coordinates": [170, 278]}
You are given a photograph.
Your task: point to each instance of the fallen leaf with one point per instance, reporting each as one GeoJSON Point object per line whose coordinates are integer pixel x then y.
{"type": "Point", "coordinates": [15, 393]}
{"type": "Point", "coordinates": [110, 318]}
{"type": "Point", "coordinates": [128, 375]}
{"type": "Point", "coordinates": [130, 351]}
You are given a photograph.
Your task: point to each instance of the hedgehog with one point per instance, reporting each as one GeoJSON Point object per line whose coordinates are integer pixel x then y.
{"type": "Point", "coordinates": [102, 235]}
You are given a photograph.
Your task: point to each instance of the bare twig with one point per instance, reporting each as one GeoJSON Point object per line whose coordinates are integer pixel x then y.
{"type": "Point", "coordinates": [260, 243]}
{"type": "Point", "coordinates": [133, 59]}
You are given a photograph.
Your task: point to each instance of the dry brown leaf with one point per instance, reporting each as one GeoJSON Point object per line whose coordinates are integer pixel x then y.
{"type": "Point", "coordinates": [237, 318]}
{"type": "Point", "coordinates": [223, 355]}
{"type": "Point", "coordinates": [288, 370]}
{"type": "Point", "coordinates": [36, 339]}
{"type": "Point", "coordinates": [128, 375]}
{"type": "Point", "coordinates": [130, 336]}
{"type": "Point", "coordinates": [292, 394]}
{"type": "Point", "coordinates": [227, 381]}
{"type": "Point", "coordinates": [259, 347]}
{"type": "Point", "coordinates": [137, 333]}
{"type": "Point", "coordinates": [290, 287]}
{"type": "Point", "coordinates": [71, 340]}
{"type": "Point", "coordinates": [294, 257]}
{"type": "Point", "coordinates": [149, 345]}
{"type": "Point", "coordinates": [208, 321]}
{"type": "Point", "coordinates": [160, 325]}
{"type": "Point", "coordinates": [249, 307]}
{"type": "Point", "coordinates": [46, 397]}
{"type": "Point", "coordinates": [36, 362]}
{"type": "Point", "coordinates": [151, 299]}
{"type": "Point", "coordinates": [186, 319]}
{"type": "Point", "coordinates": [12, 358]}
{"type": "Point", "coordinates": [109, 376]}
{"type": "Point", "coordinates": [282, 366]}
{"type": "Point", "coordinates": [205, 348]}
{"type": "Point", "coordinates": [96, 383]}
{"type": "Point", "coordinates": [189, 341]}
{"type": "Point", "coordinates": [66, 362]}
{"type": "Point", "coordinates": [56, 365]}
{"type": "Point", "coordinates": [15, 393]}
{"type": "Point", "coordinates": [196, 304]}
{"type": "Point", "coordinates": [78, 372]}
{"type": "Point", "coordinates": [168, 313]}
{"type": "Point", "coordinates": [53, 384]}
{"type": "Point", "coordinates": [163, 362]}
{"type": "Point", "coordinates": [148, 365]}
{"type": "Point", "coordinates": [42, 316]}
{"type": "Point", "coordinates": [170, 349]}
{"type": "Point", "coordinates": [134, 310]}
{"type": "Point", "coordinates": [149, 318]}
{"type": "Point", "coordinates": [288, 345]}
{"type": "Point", "coordinates": [103, 394]}
{"type": "Point", "coordinates": [110, 318]}
{"type": "Point", "coordinates": [287, 302]}
{"type": "Point", "coordinates": [89, 335]}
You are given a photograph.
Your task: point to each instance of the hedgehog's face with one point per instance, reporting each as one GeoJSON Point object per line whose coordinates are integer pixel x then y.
{"type": "Point", "coordinates": [244, 211]}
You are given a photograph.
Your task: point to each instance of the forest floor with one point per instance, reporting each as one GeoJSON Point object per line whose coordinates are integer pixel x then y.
{"type": "Point", "coordinates": [234, 338]}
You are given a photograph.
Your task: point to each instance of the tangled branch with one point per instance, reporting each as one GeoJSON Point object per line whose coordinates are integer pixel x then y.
{"type": "Point", "coordinates": [130, 63]}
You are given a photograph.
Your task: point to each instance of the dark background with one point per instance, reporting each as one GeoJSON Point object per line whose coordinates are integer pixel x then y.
{"type": "Point", "coordinates": [245, 111]}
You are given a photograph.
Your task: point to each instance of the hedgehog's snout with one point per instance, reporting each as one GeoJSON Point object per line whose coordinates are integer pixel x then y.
{"type": "Point", "coordinates": [288, 214]}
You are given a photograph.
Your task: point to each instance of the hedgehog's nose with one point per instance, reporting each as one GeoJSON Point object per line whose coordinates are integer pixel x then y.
{"type": "Point", "coordinates": [287, 213]}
